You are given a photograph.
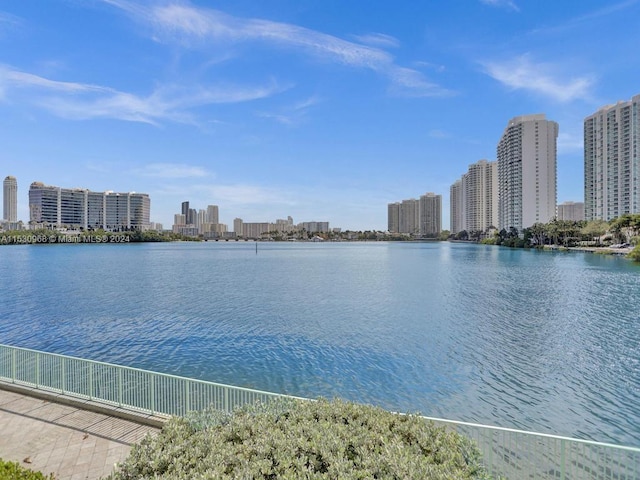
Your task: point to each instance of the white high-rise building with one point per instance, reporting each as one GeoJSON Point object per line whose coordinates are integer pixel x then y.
{"type": "Point", "coordinates": [237, 226]}
{"type": "Point", "coordinates": [409, 219]}
{"type": "Point", "coordinates": [527, 154]}
{"type": "Point", "coordinates": [212, 214]}
{"type": "Point", "coordinates": [456, 207]}
{"type": "Point", "coordinates": [430, 215]}
{"type": "Point", "coordinates": [474, 199]}
{"type": "Point", "coordinates": [79, 207]}
{"type": "Point", "coordinates": [480, 193]}
{"type": "Point", "coordinates": [10, 199]}
{"type": "Point", "coordinates": [421, 217]}
{"type": "Point", "coordinates": [612, 161]}
{"type": "Point", "coordinates": [393, 217]}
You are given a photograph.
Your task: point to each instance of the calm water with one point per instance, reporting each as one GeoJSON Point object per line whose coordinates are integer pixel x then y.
{"type": "Point", "coordinates": [534, 340]}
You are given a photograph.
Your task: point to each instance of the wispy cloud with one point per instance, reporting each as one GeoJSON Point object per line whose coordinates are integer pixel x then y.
{"type": "Point", "coordinates": [521, 73]}
{"type": "Point", "coordinates": [194, 27]}
{"type": "Point", "coordinates": [79, 101]}
{"type": "Point", "coordinates": [589, 16]}
{"type": "Point", "coordinates": [378, 40]}
{"type": "Point", "coordinates": [171, 170]}
{"type": "Point", "coordinates": [291, 115]}
{"type": "Point", "coordinates": [9, 22]}
{"type": "Point", "coordinates": [508, 4]}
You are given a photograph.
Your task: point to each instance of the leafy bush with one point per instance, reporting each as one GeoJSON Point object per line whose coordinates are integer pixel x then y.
{"type": "Point", "coordinates": [635, 254]}
{"type": "Point", "coordinates": [293, 439]}
{"type": "Point", "coordinates": [14, 471]}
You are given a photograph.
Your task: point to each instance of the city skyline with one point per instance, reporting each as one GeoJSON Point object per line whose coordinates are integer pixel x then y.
{"type": "Point", "coordinates": [309, 110]}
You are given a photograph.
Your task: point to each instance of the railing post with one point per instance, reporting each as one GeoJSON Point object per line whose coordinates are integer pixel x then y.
{"type": "Point", "coordinates": [38, 370]}
{"type": "Point", "coordinates": [226, 399]}
{"type": "Point", "coordinates": [562, 460]}
{"type": "Point", "coordinates": [91, 365]}
{"type": "Point", "coordinates": [152, 384]}
{"type": "Point", "coordinates": [13, 365]}
{"type": "Point", "coordinates": [187, 398]}
{"type": "Point", "coordinates": [119, 387]}
{"type": "Point", "coordinates": [64, 375]}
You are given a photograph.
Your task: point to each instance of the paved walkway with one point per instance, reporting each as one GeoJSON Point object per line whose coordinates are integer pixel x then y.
{"type": "Point", "coordinates": [64, 440]}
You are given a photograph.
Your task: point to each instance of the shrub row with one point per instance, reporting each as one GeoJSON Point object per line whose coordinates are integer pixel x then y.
{"type": "Point", "coordinates": [292, 439]}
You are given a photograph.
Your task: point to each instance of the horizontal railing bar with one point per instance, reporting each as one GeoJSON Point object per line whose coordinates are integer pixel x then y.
{"type": "Point", "coordinates": [537, 434]}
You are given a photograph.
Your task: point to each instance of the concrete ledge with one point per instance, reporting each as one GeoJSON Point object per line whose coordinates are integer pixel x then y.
{"type": "Point", "coordinates": [153, 420]}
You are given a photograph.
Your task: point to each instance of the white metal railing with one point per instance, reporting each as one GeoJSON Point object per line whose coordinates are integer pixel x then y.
{"type": "Point", "coordinates": [506, 453]}
{"type": "Point", "coordinates": [127, 387]}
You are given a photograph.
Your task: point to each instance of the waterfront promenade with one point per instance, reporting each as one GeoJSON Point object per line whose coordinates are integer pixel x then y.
{"type": "Point", "coordinates": [66, 440]}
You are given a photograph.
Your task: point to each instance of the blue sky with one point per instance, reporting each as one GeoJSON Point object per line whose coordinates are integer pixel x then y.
{"type": "Point", "coordinates": [322, 110]}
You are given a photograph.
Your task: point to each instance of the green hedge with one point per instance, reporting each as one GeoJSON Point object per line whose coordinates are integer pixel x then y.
{"type": "Point", "coordinates": [289, 439]}
{"type": "Point", "coordinates": [14, 471]}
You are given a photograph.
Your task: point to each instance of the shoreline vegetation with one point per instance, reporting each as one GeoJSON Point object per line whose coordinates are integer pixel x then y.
{"type": "Point", "coordinates": [620, 236]}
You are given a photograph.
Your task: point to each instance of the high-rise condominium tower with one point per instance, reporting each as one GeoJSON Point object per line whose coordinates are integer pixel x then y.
{"type": "Point", "coordinates": [430, 214]}
{"type": "Point", "coordinates": [456, 207]}
{"type": "Point", "coordinates": [10, 199]}
{"type": "Point", "coordinates": [421, 217]}
{"type": "Point", "coordinates": [213, 214]}
{"type": "Point", "coordinates": [612, 161]}
{"type": "Point", "coordinates": [393, 217]}
{"type": "Point", "coordinates": [527, 154]}
{"type": "Point", "coordinates": [474, 198]}
{"type": "Point", "coordinates": [78, 207]}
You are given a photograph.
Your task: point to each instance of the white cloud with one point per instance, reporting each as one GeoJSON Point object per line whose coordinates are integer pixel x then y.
{"type": "Point", "coordinates": [590, 16]}
{"type": "Point", "coordinates": [508, 4]}
{"type": "Point", "coordinates": [171, 170]}
{"type": "Point", "coordinates": [378, 40]}
{"type": "Point", "coordinates": [195, 27]}
{"type": "Point", "coordinates": [80, 101]}
{"type": "Point", "coordinates": [307, 103]}
{"type": "Point", "coordinates": [291, 115]}
{"type": "Point", "coordinates": [541, 78]}
{"type": "Point", "coordinates": [9, 22]}
{"type": "Point", "coordinates": [408, 82]}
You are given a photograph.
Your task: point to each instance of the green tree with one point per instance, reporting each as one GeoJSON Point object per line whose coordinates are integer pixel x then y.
{"type": "Point", "coordinates": [594, 230]}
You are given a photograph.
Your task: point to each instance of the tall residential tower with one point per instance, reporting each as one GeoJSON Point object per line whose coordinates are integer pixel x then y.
{"type": "Point", "coordinates": [422, 217]}
{"type": "Point", "coordinates": [612, 161]}
{"type": "Point", "coordinates": [474, 199]}
{"type": "Point", "coordinates": [10, 199]}
{"type": "Point", "coordinates": [527, 155]}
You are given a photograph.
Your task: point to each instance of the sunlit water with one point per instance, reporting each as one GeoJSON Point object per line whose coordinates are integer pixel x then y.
{"type": "Point", "coordinates": [540, 341]}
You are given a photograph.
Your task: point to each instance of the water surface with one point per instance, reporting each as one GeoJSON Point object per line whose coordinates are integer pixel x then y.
{"type": "Point", "coordinates": [543, 341]}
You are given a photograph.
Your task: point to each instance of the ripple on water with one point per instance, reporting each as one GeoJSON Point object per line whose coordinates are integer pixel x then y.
{"type": "Point", "coordinates": [534, 340]}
